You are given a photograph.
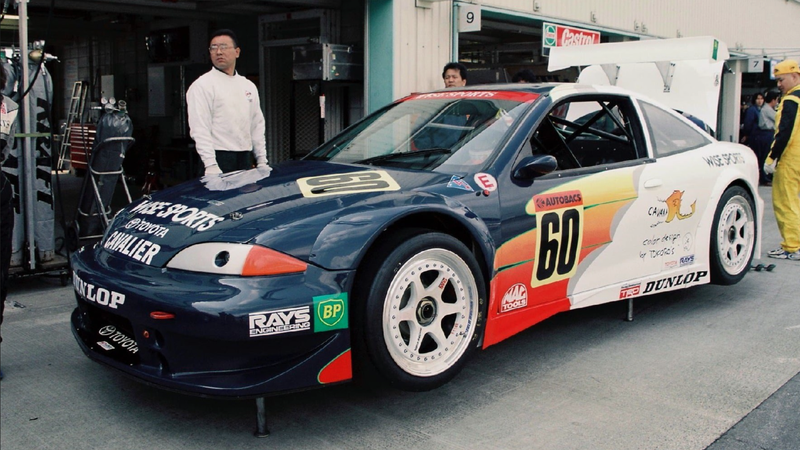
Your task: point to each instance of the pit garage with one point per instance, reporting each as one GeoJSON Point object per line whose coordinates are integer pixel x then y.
{"type": "Point", "coordinates": [88, 60]}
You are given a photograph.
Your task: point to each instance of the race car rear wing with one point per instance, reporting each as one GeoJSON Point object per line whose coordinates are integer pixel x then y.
{"type": "Point", "coordinates": [684, 73]}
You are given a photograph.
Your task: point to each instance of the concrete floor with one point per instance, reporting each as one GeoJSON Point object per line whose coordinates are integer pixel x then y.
{"type": "Point", "coordinates": [708, 365]}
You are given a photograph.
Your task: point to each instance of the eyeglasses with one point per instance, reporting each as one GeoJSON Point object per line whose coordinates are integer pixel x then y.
{"type": "Point", "coordinates": [220, 47]}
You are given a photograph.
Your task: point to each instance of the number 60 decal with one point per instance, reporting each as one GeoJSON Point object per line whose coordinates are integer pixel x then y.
{"type": "Point", "coordinates": [559, 237]}
{"type": "Point", "coordinates": [347, 183]}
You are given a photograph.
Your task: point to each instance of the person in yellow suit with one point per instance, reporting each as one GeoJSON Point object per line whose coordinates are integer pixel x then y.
{"type": "Point", "coordinates": [784, 161]}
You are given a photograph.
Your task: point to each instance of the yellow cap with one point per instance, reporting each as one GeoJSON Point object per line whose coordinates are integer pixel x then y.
{"type": "Point", "coordinates": [786, 66]}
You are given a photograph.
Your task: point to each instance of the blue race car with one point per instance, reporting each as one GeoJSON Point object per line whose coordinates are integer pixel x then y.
{"type": "Point", "coordinates": [441, 224]}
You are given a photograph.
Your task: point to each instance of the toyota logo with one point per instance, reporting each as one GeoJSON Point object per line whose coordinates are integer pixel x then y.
{"type": "Point", "coordinates": [107, 330]}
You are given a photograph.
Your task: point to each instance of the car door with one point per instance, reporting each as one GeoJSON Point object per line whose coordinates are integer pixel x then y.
{"type": "Point", "coordinates": [675, 190]}
{"type": "Point", "coordinates": [554, 226]}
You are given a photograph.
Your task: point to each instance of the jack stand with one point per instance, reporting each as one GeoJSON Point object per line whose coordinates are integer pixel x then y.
{"type": "Point", "coordinates": [630, 311]}
{"type": "Point", "coordinates": [261, 418]}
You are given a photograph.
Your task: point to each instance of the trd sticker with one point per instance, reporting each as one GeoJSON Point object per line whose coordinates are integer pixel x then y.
{"type": "Point", "coordinates": [97, 294]}
{"type": "Point", "coordinates": [347, 183]}
{"type": "Point", "coordinates": [486, 182]}
{"type": "Point", "coordinates": [516, 297]}
{"type": "Point", "coordinates": [630, 290]}
{"type": "Point", "coordinates": [559, 224]}
{"type": "Point", "coordinates": [280, 321]}
{"type": "Point", "coordinates": [459, 183]}
{"type": "Point", "coordinates": [330, 312]}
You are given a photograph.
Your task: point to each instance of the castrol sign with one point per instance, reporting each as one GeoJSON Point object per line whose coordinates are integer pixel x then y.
{"type": "Point", "coordinates": [560, 36]}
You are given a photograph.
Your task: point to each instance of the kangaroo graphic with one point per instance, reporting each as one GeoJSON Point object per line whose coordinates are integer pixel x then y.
{"type": "Point", "coordinates": [674, 206]}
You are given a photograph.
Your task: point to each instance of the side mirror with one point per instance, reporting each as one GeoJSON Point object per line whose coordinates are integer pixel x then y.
{"type": "Point", "coordinates": [535, 166]}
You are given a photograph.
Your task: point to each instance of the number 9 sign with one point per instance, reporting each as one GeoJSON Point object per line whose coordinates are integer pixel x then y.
{"type": "Point", "coordinates": [469, 18]}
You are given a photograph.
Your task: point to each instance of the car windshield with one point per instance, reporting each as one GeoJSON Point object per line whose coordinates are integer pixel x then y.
{"type": "Point", "coordinates": [455, 131]}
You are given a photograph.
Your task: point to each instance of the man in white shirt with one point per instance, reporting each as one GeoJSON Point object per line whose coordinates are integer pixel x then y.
{"type": "Point", "coordinates": [225, 118]}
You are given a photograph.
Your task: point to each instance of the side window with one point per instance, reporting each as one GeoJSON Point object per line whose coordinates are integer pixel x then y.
{"type": "Point", "coordinates": [588, 131]}
{"type": "Point", "coordinates": [669, 134]}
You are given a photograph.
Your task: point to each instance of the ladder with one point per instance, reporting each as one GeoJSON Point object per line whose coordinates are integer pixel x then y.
{"type": "Point", "coordinates": [77, 101]}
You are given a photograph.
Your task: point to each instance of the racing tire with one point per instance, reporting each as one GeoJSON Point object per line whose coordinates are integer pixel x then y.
{"type": "Point", "coordinates": [421, 309]}
{"type": "Point", "coordinates": [733, 236]}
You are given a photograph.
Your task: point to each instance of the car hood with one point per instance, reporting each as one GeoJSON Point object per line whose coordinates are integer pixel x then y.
{"type": "Point", "coordinates": [284, 208]}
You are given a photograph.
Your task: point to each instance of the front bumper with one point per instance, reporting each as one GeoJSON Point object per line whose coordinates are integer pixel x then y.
{"type": "Point", "coordinates": [217, 336]}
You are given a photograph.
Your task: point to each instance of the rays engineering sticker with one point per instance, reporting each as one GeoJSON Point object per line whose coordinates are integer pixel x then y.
{"type": "Point", "coordinates": [347, 183]}
{"type": "Point", "coordinates": [288, 320]}
{"type": "Point", "coordinates": [559, 224]}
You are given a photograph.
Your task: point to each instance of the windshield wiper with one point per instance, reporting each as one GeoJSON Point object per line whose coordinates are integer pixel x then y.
{"type": "Point", "coordinates": [426, 152]}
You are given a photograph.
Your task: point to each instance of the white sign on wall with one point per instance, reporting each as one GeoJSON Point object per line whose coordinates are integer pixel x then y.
{"type": "Point", "coordinates": [755, 65]}
{"type": "Point", "coordinates": [469, 18]}
{"type": "Point", "coordinates": [772, 63]}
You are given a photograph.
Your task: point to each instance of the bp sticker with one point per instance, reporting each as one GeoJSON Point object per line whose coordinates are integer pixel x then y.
{"type": "Point", "coordinates": [330, 312]}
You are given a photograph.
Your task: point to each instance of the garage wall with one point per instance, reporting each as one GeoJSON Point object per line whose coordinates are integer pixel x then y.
{"type": "Point", "coordinates": [739, 23]}
{"type": "Point", "coordinates": [88, 58]}
{"type": "Point", "coordinates": [423, 33]}
{"type": "Point", "coordinates": [422, 45]}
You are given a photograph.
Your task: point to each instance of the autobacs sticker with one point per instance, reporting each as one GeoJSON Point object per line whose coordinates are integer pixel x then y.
{"type": "Point", "coordinates": [549, 202]}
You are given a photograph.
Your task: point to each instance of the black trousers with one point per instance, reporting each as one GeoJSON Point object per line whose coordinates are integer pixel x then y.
{"type": "Point", "coordinates": [761, 141]}
{"type": "Point", "coordinates": [6, 232]}
{"type": "Point", "coordinates": [229, 161]}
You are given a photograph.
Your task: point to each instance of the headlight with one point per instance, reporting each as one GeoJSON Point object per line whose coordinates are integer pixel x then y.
{"type": "Point", "coordinates": [235, 259]}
